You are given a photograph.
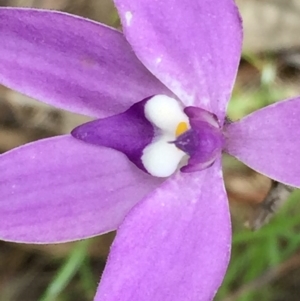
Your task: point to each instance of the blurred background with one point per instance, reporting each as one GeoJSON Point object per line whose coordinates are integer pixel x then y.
{"type": "Point", "coordinates": [265, 264]}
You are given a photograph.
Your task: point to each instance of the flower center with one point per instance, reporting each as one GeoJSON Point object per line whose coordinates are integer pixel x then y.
{"type": "Point", "coordinates": [180, 133]}
{"type": "Point", "coordinates": [159, 136]}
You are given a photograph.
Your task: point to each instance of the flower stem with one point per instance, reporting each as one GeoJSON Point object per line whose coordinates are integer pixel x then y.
{"type": "Point", "coordinates": [66, 272]}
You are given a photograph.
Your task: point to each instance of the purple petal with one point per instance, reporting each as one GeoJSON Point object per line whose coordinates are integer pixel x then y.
{"type": "Point", "coordinates": [71, 62]}
{"type": "Point", "coordinates": [192, 46]}
{"type": "Point", "coordinates": [62, 189]}
{"type": "Point", "coordinates": [268, 140]}
{"type": "Point", "coordinates": [174, 245]}
{"type": "Point", "coordinates": [129, 132]}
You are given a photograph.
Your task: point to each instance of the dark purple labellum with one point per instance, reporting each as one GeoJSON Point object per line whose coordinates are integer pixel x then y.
{"type": "Point", "coordinates": [129, 132]}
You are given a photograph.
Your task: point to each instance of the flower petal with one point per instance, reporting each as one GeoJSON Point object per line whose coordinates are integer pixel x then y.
{"type": "Point", "coordinates": [62, 189]}
{"type": "Point", "coordinates": [192, 46]}
{"type": "Point", "coordinates": [71, 62]}
{"type": "Point", "coordinates": [174, 245]}
{"type": "Point", "coordinates": [268, 140]}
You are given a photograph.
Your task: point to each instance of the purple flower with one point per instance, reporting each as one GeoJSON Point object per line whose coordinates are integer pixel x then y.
{"type": "Point", "coordinates": [161, 91]}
